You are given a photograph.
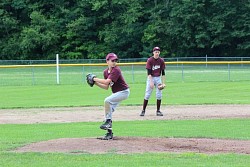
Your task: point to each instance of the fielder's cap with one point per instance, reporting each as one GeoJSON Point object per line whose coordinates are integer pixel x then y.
{"type": "Point", "coordinates": [111, 56]}
{"type": "Point", "coordinates": [156, 49]}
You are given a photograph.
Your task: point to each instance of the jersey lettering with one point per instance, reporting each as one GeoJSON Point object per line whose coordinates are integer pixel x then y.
{"type": "Point", "coordinates": [156, 67]}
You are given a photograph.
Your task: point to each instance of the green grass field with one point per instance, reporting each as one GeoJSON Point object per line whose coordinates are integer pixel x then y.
{"type": "Point", "coordinates": [83, 95]}
{"type": "Point", "coordinates": [201, 91]}
{"type": "Point", "coordinates": [75, 75]}
{"type": "Point", "coordinates": [17, 135]}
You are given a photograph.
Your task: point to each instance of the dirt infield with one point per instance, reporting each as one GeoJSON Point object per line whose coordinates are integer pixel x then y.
{"type": "Point", "coordinates": [124, 145]}
{"type": "Point", "coordinates": [123, 113]}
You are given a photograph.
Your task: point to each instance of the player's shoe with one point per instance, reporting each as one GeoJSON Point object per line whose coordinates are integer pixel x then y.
{"type": "Point", "coordinates": [159, 113]}
{"type": "Point", "coordinates": [107, 125]}
{"type": "Point", "coordinates": [108, 136]}
{"type": "Point", "coordinates": [142, 113]}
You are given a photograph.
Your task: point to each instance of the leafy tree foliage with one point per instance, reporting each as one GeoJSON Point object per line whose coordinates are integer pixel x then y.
{"type": "Point", "coordinates": [83, 29]}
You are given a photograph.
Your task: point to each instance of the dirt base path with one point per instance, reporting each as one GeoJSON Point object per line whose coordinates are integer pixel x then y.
{"type": "Point", "coordinates": [125, 145]}
{"type": "Point", "coordinates": [123, 113]}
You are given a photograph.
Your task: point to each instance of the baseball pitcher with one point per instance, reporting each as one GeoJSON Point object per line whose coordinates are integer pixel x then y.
{"type": "Point", "coordinates": [120, 91]}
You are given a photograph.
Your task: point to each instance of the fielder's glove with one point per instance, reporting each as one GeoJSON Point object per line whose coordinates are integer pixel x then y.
{"type": "Point", "coordinates": [90, 79]}
{"type": "Point", "coordinates": [161, 86]}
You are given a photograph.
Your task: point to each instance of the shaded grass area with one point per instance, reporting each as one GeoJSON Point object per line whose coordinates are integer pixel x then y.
{"type": "Point", "coordinates": [83, 95]}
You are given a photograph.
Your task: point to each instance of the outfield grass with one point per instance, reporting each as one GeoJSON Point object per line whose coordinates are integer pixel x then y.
{"type": "Point", "coordinates": [83, 95]}
{"type": "Point", "coordinates": [75, 75]}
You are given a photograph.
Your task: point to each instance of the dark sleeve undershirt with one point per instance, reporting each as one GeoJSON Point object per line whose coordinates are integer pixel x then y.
{"type": "Point", "coordinates": [149, 71]}
{"type": "Point", "coordinates": [163, 72]}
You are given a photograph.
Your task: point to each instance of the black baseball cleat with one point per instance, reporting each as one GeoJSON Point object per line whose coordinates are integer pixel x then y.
{"type": "Point", "coordinates": [108, 136]}
{"type": "Point", "coordinates": [107, 125]}
{"type": "Point", "coordinates": [159, 113]}
{"type": "Point", "coordinates": [142, 113]}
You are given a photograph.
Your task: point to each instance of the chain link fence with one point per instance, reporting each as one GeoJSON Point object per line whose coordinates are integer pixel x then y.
{"type": "Point", "coordinates": [72, 72]}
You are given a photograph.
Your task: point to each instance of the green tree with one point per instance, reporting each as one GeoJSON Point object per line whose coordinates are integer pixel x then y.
{"type": "Point", "coordinates": [197, 28]}
{"type": "Point", "coordinates": [105, 26]}
{"type": "Point", "coordinates": [39, 39]}
{"type": "Point", "coordinates": [10, 26]}
{"type": "Point", "coordinates": [83, 29]}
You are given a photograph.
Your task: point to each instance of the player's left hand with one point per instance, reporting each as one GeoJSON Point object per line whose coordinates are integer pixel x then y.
{"type": "Point", "coordinates": [161, 86]}
{"type": "Point", "coordinates": [90, 79]}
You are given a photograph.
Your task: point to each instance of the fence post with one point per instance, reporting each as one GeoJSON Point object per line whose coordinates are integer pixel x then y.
{"type": "Point", "coordinates": [133, 80]}
{"type": "Point", "coordinates": [33, 73]}
{"type": "Point", "coordinates": [33, 76]}
{"type": "Point", "coordinates": [228, 66]}
{"type": "Point", "coordinates": [182, 72]}
{"type": "Point", "coordinates": [206, 60]}
{"type": "Point", "coordinates": [57, 69]}
{"type": "Point", "coordinates": [83, 70]}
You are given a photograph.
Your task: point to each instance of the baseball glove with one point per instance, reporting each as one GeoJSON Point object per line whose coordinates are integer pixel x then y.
{"type": "Point", "coordinates": [90, 79]}
{"type": "Point", "coordinates": [161, 86]}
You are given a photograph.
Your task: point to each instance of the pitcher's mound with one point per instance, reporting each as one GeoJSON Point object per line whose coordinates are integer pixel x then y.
{"type": "Point", "coordinates": [124, 145]}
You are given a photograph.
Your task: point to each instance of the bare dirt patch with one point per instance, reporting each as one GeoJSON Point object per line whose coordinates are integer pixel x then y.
{"type": "Point", "coordinates": [124, 145]}
{"type": "Point", "coordinates": [130, 144]}
{"type": "Point", "coordinates": [123, 113]}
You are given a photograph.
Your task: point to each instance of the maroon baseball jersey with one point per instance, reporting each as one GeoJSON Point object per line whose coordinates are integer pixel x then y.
{"type": "Point", "coordinates": [156, 65]}
{"type": "Point", "coordinates": [118, 83]}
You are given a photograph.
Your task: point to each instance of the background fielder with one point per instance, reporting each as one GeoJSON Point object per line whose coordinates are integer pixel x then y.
{"type": "Point", "coordinates": [155, 69]}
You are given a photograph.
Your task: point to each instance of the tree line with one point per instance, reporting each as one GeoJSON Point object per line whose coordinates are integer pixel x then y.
{"type": "Point", "coordinates": [89, 29]}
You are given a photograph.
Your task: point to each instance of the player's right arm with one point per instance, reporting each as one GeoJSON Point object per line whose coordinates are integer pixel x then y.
{"type": "Point", "coordinates": [102, 83]}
